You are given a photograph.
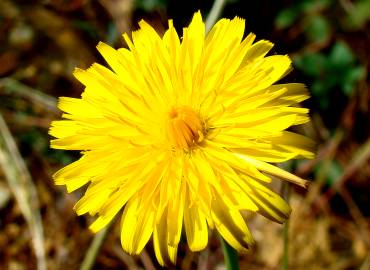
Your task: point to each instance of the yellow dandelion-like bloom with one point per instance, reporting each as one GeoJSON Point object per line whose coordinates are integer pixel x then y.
{"type": "Point", "coordinates": [180, 132]}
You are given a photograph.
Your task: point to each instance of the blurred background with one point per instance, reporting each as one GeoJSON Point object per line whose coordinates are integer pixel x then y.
{"type": "Point", "coordinates": [41, 42]}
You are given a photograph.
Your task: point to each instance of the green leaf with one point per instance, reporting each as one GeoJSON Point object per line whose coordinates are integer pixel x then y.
{"type": "Point", "coordinates": [341, 55]}
{"type": "Point", "coordinates": [319, 88]}
{"type": "Point", "coordinates": [358, 15]}
{"type": "Point", "coordinates": [311, 6]}
{"type": "Point", "coordinates": [351, 77]}
{"type": "Point", "coordinates": [311, 64]}
{"type": "Point", "coordinates": [331, 169]}
{"type": "Point", "coordinates": [334, 172]}
{"type": "Point", "coordinates": [286, 17]}
{"type": "Point", "coordinates": [318, 29]}
{"type": "Point", "coordinates": [150, 5]}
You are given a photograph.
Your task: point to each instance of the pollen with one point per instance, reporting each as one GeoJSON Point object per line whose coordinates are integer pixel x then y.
{"type": "Point", "coordinates": [184, 128]}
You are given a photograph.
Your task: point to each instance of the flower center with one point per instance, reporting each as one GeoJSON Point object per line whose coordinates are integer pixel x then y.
{"type": "Point", "coordinates": [184, 128]}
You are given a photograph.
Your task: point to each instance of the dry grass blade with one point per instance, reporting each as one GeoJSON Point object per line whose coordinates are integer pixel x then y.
{"type": "Point", "coordinates": [146, 260]}
{"type": "Point", "coordinates": [366, 264]}
{"type": "Point", "coordinates": [20, 182]}
{"type": "Point", "coordinates": [214, 13]}
{"type": "Point", "coordinates": [360, 157]}
{"type": "Point", "coordinates": [120, 11]}
{"type": "Point", "coordinates": [11, 86]}
{"type": "Point", "coordinates": [125, 258]}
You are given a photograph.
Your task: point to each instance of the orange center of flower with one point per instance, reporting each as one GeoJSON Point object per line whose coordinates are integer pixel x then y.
{"type": "Point", "coordinates": [184, 127]}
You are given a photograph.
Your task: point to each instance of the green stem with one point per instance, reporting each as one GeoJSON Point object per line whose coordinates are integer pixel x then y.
{"type": "Point", "coordinates": [286, 243]}
{"type": "Point", "coordinates": [92, 252]}
{"type": "Point", "coordinates": [286, 194]}
{"type": "Point", "coordinates": [230, 255]}
{"type": "Point", "coordinates": [214, 14]}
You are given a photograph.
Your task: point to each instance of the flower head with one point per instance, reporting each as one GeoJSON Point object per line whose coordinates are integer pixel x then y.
{"type": "Point", "coordinates": [181, 132]}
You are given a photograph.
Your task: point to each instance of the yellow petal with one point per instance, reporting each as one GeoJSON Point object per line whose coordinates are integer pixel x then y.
{"type": "Point", "coordinates": [91, 202]}
{"type": "Point", "coordinates": [112, 57]}
{"type": "Point", "coordinates": [195, 228]}
{"type": "Point", "coordinates": [230, 224]}
{"type": "Point", "coordinates": [236, 163]}
{"type": "Point", "coordinates": [176, 214]}
{"type": "Point", "coordinates": [161, 248]}
{"type": "Point", "coordinates": [296, 92]}
{"type": "Point", "coordinates": [269, 204]}
{"type": "Point", "coordinates": [136, 225]}
{"type": "Point", "coordinates": [257, 50]}
{"type": "Point", "coordinates": [193, 40]}
{"type": "Point", "coordinates": [273, 170]}
{"type": "Point", "coordinates": [64, 128]}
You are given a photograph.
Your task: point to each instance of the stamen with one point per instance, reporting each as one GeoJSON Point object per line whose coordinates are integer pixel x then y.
{"type": "Point", "coordinates": [184, 127]}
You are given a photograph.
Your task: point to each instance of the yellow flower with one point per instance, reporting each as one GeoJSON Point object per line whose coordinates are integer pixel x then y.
{"type": "Point", "coordinates": [181, 132]}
